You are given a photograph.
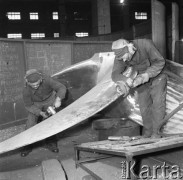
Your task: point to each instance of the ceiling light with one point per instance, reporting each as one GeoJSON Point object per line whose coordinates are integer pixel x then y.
{"type": "Point", "coordinates": [121, 1]}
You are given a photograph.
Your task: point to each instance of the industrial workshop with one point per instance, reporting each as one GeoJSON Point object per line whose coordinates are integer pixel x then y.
{"type": "Point", "coordinates": [91, 89]}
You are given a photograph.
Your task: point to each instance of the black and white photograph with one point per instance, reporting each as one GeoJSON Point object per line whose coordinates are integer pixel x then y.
{"type": "Point", "coordinates": [91, 89]}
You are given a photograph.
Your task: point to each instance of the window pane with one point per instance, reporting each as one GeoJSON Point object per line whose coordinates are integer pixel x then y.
{"type": "Point", "coordinates": [13, 15]}
{"type": "Point", "coordinates": [16, 36]}
{"type": "Point", "coordinates": [34, 16]}
{"type": "Point", "coordinates": [37, 35]}
{"type": "Point", "coordinates": [82, 34]}
{"type": "Point", "coordinates": [55, 15]}
{"type": "Point", "coordinates": [140, 15]}
{"type": "Point", "coordinates": [56, 35]}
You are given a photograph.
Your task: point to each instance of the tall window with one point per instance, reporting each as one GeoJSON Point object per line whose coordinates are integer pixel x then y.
{"type": "Point", "coordinates": [13, 15]}
{"type": "Point", "coordinates": [82, 34]}
{"type": "Point", "coordinates": [55, 15]}
{"type": "Point", "coordinates": [56, 35]}
{"type": "Point", "coordinates": [15, 36]}
{"type": "Point", "coordinates": [140, 15]}
{"type": "Point", "coordinates": [34, 16]}
{"type": "Point", "coordinates": [37, 35]}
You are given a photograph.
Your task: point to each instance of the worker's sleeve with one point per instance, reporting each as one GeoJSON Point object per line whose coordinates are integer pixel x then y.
{"type": "Point", "coordinates": [118, 67]}
{"type": "Point", "coordinates": [156, 59]}
{"type": "Point", "coordinates": [58, 87]}
{"type": "Point", "coordinates": [29, 105]}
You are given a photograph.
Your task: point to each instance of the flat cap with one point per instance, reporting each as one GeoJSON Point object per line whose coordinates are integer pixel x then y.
{"type": "Point", "coordinates": [120, 43]}
{"type": "Point", "coordinates": [33, 76]}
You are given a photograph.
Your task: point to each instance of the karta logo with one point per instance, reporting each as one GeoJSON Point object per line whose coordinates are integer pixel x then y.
{"type": "Point", "coordinates": [163, 171]}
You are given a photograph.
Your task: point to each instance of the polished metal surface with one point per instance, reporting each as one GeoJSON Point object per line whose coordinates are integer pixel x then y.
{"type": "Point", "coordinates": [90, 72]}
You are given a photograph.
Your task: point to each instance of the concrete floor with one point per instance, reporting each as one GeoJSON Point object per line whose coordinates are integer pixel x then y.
{"type": "Point", "coordinates": [15, 167]}
{"type": "Point", "coordinates": [108, 169]}
{"type": "Point", "coordinates": [12, 161]}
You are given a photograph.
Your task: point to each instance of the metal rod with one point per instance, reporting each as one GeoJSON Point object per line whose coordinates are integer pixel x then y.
{"type": "Point", "coordinates": [90, 172]}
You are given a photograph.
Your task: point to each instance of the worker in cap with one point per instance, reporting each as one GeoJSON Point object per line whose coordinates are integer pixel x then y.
{"type": "Point", "coordinates": [33, 78]}
{"type": "Point", "coordinates": [40, 92]}
{"type": "Point", "coordinates": [150, 83]}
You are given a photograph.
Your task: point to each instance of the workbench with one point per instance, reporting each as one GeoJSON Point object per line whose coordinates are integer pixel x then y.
{"type": "Point", "coordinates": [128, 149]}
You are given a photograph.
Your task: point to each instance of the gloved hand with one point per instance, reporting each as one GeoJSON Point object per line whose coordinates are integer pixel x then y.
{"type": "Point", "coordinates": [140, 79]}
{"type": "Point", "coordinates": [122, 87]}
{"type": "Point", "coordinates": [57, 102]}
{"type": "Point", "coordinates": [43, 114]}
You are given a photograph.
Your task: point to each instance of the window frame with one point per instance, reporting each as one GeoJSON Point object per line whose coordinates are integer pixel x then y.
{"type": "Point", "coordinates": [13, 15]}
{"type": "Point", "coordinates": [56, 35]}
{"type": "Point", "coordinates": [141, 15]}
{"type": "Point", "coordinates": [37, 35]}
{"type": "Point", "coordinates": [55, 15]}
{"type": "Point", "coordinates": [34, 15]}
{"type": "Point", "coordinates": [81, 34]}
{"type": "Point", "coordinates": [14, 35]}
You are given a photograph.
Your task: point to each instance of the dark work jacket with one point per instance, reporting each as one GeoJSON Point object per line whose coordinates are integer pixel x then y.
{"type": "Point", "coordinates": [146, 59]}
{"type": "Point", "coordinates": [45, 90]}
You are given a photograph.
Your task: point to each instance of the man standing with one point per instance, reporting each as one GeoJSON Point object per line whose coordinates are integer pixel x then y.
{"type": "Point", "coordinates": [40, 92]}
{"type": "Point", "coordinates": [150, 83]}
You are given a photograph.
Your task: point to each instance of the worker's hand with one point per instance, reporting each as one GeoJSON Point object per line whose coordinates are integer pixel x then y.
{"type": "Point", "coordinates": [122, 88]}
{"type": "Point", "coordinates": [43, 114]}
{"type": "Point", "coordinates": [140, 79]}
{"type": "Point", "coordinates": [129, 82]}
{"type": "Point", "coordinates": [57, 102]}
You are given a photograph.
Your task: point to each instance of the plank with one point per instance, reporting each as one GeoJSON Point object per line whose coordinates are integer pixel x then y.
{"type": "Point", "coordinates": [136, 147]}
{"type": "Point", "coordinates": [52, 170]}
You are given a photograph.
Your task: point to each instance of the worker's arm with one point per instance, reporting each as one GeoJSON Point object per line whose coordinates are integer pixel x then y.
{"type": "Point", "coordinates": [118, 67]}
{"type": "Point", "coordinates": [58, 87]}
{"type": "Point", "coordinates": [156, 60]}
{"type": "Point", "coordinates": [29, 105]}
{"type": "Point", "coordinates": [119, 78]}
{"type": "Point", "coordinates": [60, 90]}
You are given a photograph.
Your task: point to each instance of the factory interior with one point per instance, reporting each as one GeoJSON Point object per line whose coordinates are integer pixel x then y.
{"type": "Point", "coordinates": [99, 129]}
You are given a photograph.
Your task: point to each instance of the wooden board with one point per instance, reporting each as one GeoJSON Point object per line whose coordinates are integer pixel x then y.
{"type": "Point", "coordinates": [52, 170]}
{"type": "Point", "coordinates": [132, 147]}
{"type": "Point", "coordinates": [49, 169]}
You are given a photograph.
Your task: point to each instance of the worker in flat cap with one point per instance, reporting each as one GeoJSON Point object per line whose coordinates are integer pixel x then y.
{"type": "Point", "coordinates": [150, 83]}
{"type": "Point", "coordinates": [40, 92]}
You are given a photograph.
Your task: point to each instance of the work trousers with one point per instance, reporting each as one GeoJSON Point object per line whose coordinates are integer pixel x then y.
{"type": "Point", "coordinates": [33, 119]}
{"type": "Point", "coordinates": [152, 102]}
